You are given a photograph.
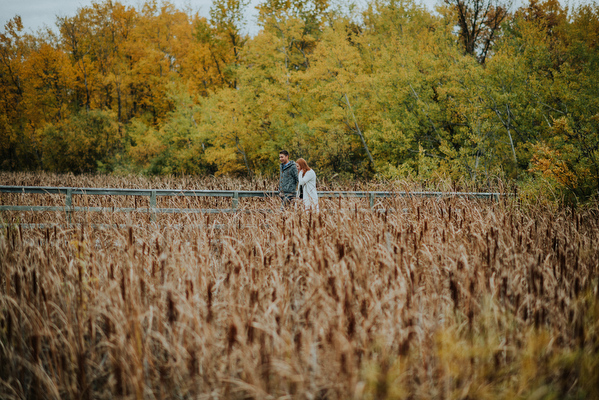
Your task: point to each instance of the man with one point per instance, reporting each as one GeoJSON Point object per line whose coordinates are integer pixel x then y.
{"type": "Point", "coordinates": [287, 178]}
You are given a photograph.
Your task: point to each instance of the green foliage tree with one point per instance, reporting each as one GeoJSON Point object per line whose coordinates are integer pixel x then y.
{"type": "Point", "coordinates": [567, 141]}
{"type": "Point", "coordinates": [177, 147]}
{"type": "Point", "coordinates": [80, 142]}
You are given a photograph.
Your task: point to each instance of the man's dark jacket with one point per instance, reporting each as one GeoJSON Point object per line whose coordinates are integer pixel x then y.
{"type": "Point", "coordinates": [288, 179]}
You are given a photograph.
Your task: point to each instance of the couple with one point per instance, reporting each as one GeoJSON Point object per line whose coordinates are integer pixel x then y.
{"type": "Point", "coordinates": [293, 173]}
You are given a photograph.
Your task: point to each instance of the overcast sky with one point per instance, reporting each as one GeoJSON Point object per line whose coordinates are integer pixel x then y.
{"type": "Point", "coordinates": [36, 14]}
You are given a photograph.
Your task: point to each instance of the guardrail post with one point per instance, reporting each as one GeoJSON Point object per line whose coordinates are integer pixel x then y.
{"type": "Point", "coordinates": [371, 197]}
{"type": "Point", "coordinates": [68, 202]}
{"type": "Point", "coordinates": [235, 199]}
{"type": "Point", "coordinates": [153, 206]}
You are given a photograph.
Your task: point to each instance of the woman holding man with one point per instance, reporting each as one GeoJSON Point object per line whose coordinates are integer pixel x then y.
{"type": "Point", "coordinates": [307, 184]}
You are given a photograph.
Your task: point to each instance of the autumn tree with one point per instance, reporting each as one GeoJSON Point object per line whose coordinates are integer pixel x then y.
{"type": "Point", "coordinates": [479, 23]}
{"type": "Point", "coordinates": [12, 52]}
{"type": "Point", "coordinates": [177, 146]}
{"type": "Point", "coordinates": [298, 24]}
{"type": "Point", "coordinates": [565, 149]}
{"type": "Point", "coordinates": [79, 143]}
{"type": "Point", "coordinates": [338, 89]}
{"type": "Point", "coordinates": [35, 81]}
{"type": "Point", "coordinates": [76, 38]}
{"type": "Point", "coordinates": [113, 26]}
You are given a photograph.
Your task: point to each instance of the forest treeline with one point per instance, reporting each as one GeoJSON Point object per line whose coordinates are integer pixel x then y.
{"type": "Point", "coordinates": [473, 90]}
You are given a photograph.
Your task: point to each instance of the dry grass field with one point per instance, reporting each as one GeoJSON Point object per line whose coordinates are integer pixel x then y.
{"type": "Point", "coordinates": [430, 299]}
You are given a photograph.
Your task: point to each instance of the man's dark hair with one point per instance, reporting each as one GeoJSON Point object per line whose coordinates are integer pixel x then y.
{"type": "Point", "coordinates": [284, 152]}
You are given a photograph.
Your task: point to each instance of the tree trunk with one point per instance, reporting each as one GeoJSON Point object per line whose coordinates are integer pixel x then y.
{"type": "Point", "coordinates": [359, 132]}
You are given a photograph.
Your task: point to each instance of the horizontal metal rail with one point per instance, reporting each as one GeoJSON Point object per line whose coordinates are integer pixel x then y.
{"type": "Point", "coordinates": [229, 193]}
{"type": "Point", "coordinates": [235, 195]}
{"type": "Point", "coordinates": [142, 210]}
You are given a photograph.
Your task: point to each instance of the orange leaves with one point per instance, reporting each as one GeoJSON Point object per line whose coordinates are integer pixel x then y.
{"type": "Point", "coordinates": [550, 164]}
{"type": "Point", "coordinates": [49, 76]}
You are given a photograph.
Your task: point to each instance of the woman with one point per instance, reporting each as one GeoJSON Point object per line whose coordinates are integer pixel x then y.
{"type": "Point", "coordinates": [307, 183]}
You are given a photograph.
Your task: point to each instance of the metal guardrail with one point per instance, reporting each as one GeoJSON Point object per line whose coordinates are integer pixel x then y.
{"type": "Point", "coordinates": [235, 195]}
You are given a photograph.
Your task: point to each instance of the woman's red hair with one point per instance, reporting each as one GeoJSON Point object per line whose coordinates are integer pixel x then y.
{"type": "Point", "coordinates": [303, 165]}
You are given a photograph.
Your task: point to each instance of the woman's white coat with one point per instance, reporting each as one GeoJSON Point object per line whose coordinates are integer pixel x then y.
{"type": "Point", "coordinates": [308, 181]}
